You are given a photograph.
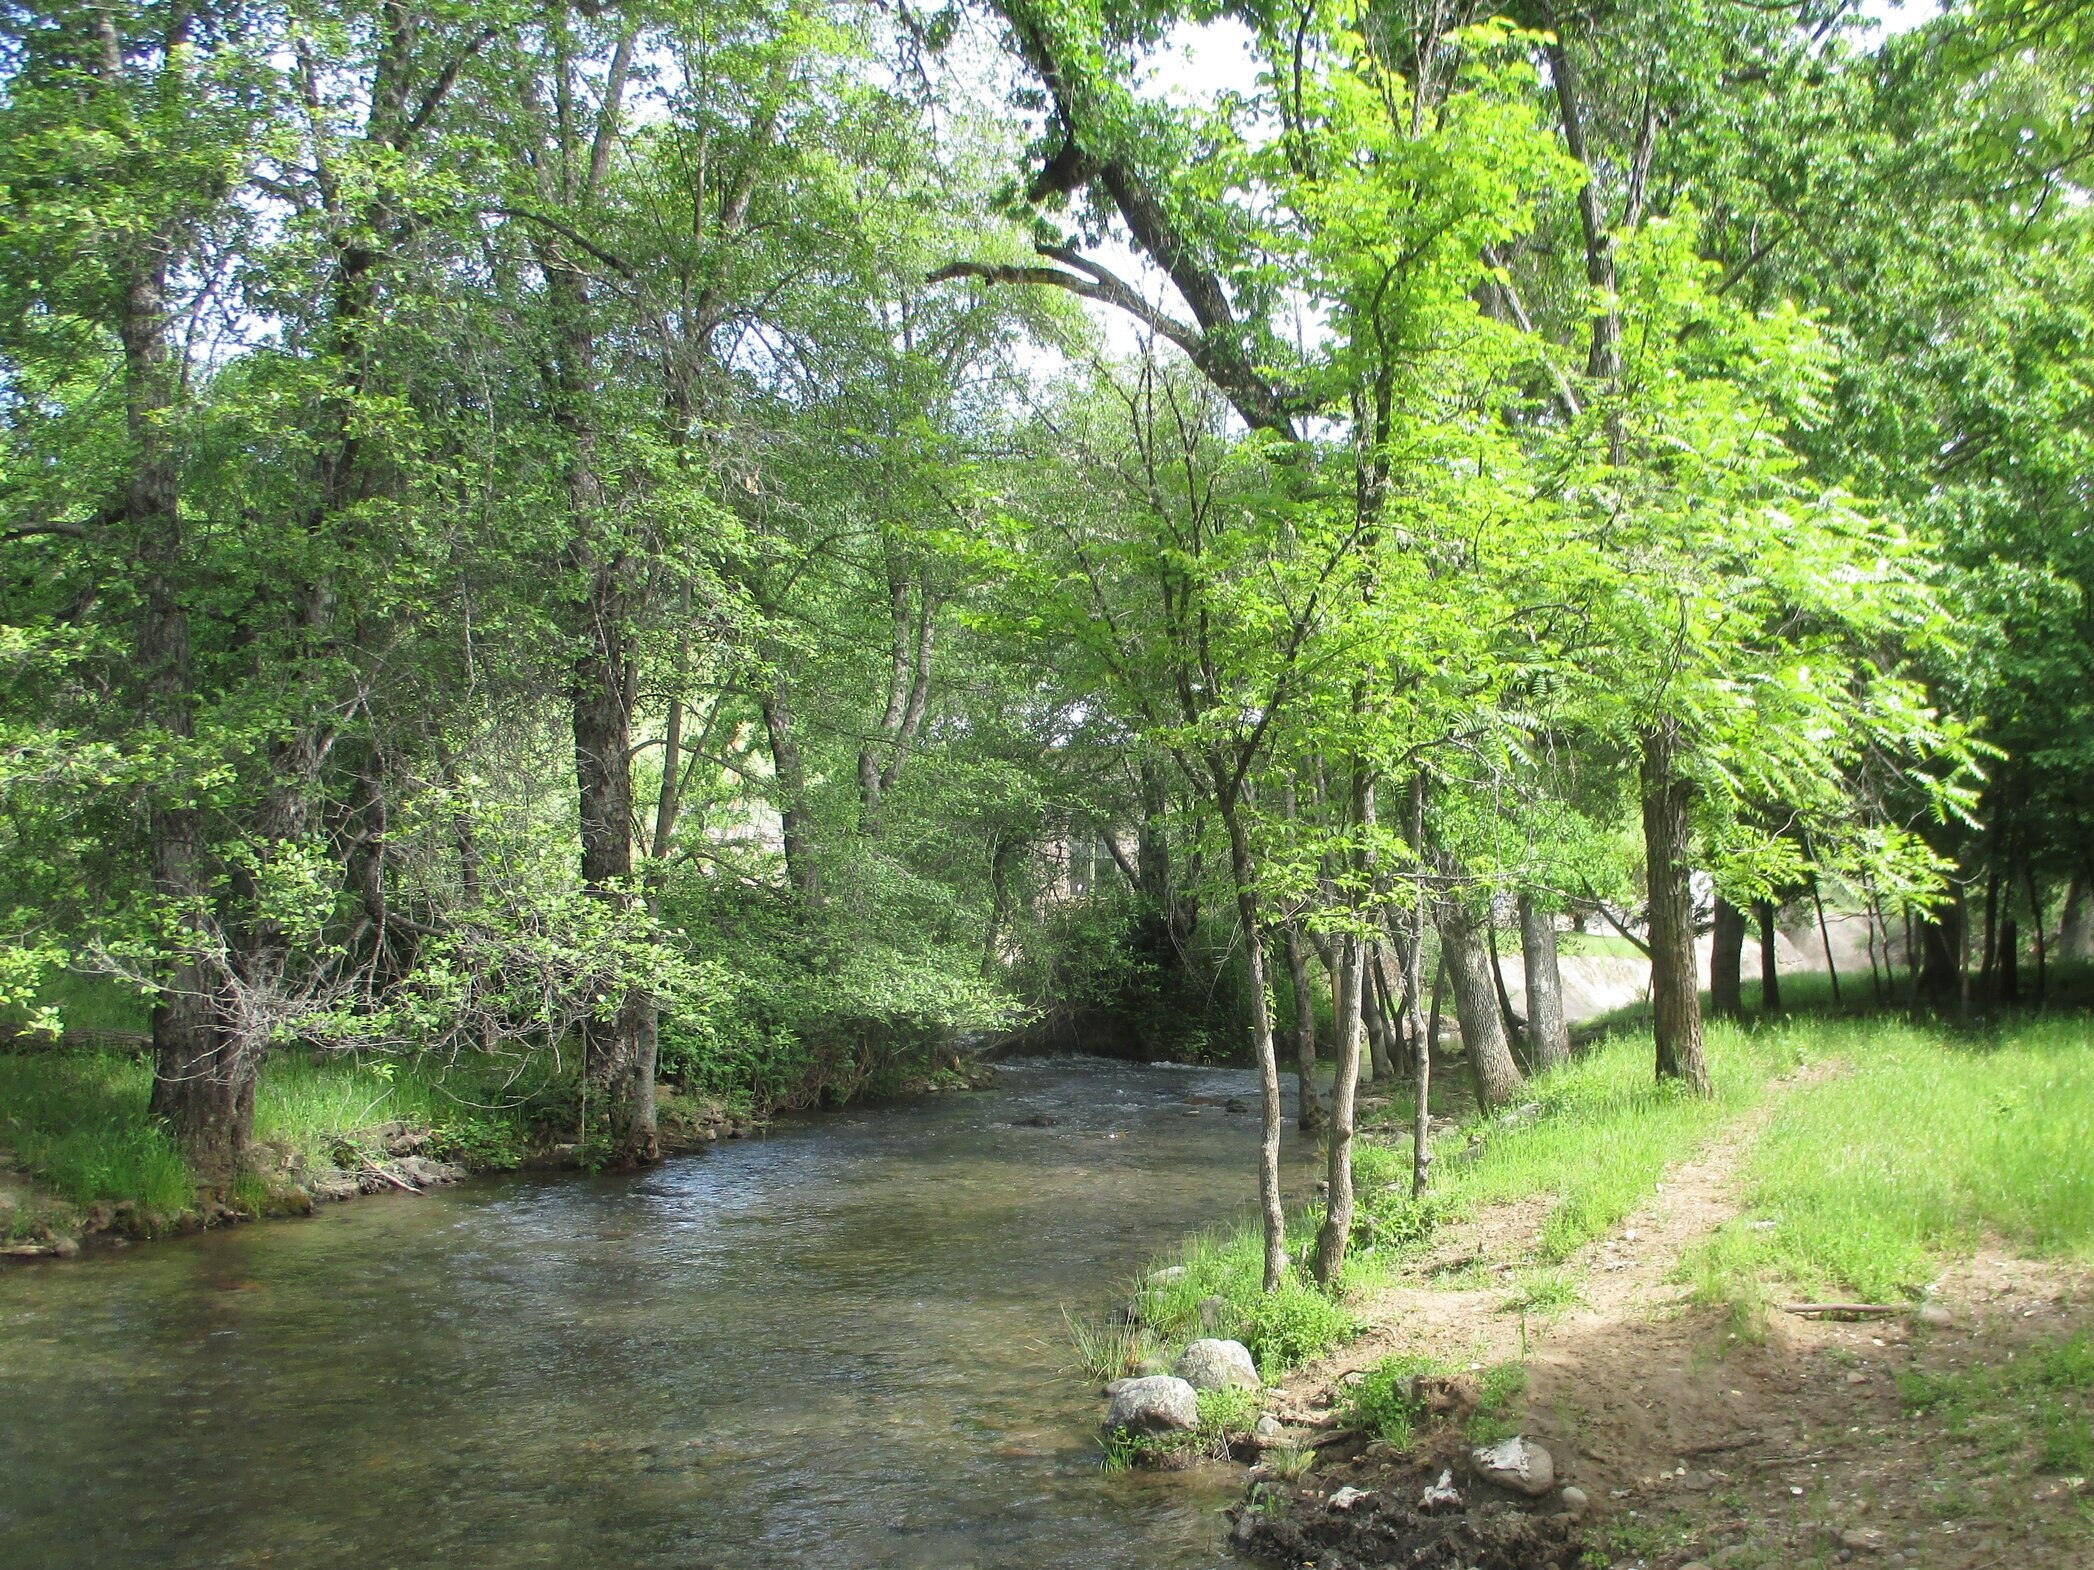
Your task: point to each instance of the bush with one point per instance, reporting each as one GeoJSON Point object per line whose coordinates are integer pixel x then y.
{"type": "Point", "coordinates": [1288, 1326]}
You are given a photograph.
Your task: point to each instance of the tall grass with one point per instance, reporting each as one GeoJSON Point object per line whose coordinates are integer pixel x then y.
{"type": "Point", "coordinates": [1926, 1144]}
{"type": "Point", "coordinates": [77, 1122]}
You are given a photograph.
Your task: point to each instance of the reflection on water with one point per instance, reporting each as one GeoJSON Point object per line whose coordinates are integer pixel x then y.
{"type": "Point", "coordinates": [838, 1346]}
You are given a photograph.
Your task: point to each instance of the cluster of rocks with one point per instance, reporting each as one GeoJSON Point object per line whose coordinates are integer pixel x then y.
{"type": "Point", "coordinates": [1154, 1405]}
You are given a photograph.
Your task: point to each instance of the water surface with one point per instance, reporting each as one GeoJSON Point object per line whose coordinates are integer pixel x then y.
{"type": "Point", "coordinates": [840, 1345]}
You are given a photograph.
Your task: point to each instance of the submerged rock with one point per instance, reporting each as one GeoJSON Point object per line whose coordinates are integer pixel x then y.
{"type": "Point", "coordinates": [1214, 1365]}
{"type": "Point", "coordinates": [1519, 1464]}
{"type": "Point", "coordinates": [1159, 1404]}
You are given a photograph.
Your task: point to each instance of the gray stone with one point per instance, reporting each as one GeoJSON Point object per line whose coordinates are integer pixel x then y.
{"type": "Point", "coordinates": [1575, 1501]}
{"type": "Point", "coordinates": [1211, 1310]}
{"type": "Point", "coordinates": [65, 1247]}
{"type": "Point", "coordinates": [1155, 1405]}
{"type": "Point", "coordinates": [1214, 1365]}
{"type": "Point", "coordinates": [1267, 1426]}
{"type": "Point", "coordinates": [1112, 1388]}
{"type": "Point", "coordinates": [1934, 1316]}
{"type": "Point", "coordinates": [1348, 1496]}
{"type": "Point", "coordinates": [1165, 1276]}
{"type": "Point", "coordinates": [1519, 1464]}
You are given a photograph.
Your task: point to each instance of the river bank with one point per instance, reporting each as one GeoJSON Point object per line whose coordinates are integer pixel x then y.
{"type": "Point", "coordinates": [82, 1166]}
{"type": "Point", "coordinates": [1619, 1259]}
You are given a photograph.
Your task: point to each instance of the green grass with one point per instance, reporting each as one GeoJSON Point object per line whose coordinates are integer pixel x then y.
{"type": "Point", "coordinates": [76, 1122]}
{"type": "Point", "coordinates": [2040, 1402]}
{"type": "Point", "coordinates": [1927, 1142]}
{"type": "Point", "coordinates": [1386, 1403]}
{"type": "Point", "coordinates": [1598, 1135]}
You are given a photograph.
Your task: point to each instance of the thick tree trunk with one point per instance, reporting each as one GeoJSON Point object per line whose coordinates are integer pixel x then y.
{"type": "Point", "coordinates": [1311, 1113]}
{"type": "Point", "coordinates": [617, 1052]}
{"type": "Point", "coordinates": [1675, 997]}
{"type": "Point", "coordinates": [1727, 962]}
{"type": "Point", "coordinates": [1476, 1005]}
{"type": "Point", "coordinates": [1548, 1032]}
{"type": "Point", "coordinates": [1243, 874]}
{"type": "Point", "coordinates": [795, 821]}
{"type": "Point", "coordinates": [1515, 1037]}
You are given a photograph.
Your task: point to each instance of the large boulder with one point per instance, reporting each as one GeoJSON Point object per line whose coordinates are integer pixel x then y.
{"type": "Point", "coordinates": [1156, 1405]}
{"type": "Point", "coordinates": [1214, 1365]}
{"type": "Point", "coordinates": [1518, 1464]}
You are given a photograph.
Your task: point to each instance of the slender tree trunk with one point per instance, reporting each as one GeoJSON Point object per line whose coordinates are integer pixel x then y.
{"type": "Point", "coordinates": [2009, 990]}
{"type": "Point", "coordinates": [1675, 996]}
{"type": "Point", "coordinates": [1381, 1008]}
{"type": "Point", "coordinates": [1513, 1035]}
{"type": "Point", "coordinates": [1832, 969]}
{"type": "Point", "coordinates": [1421, 1099]}
{"type": "Point", "coordinates": [1311, 1115]}
{"type": "Point", "coordinates": [1548, 1032]}
{"type": "Point", "coordinates": [2036, 919]}
{"type": "Point", "coordinates": [1336, 1231]}
{"type": "Point", "coordinates": [1770, 958]}
{"type": "Point", "coordinates": [1726, 962]}
{"type": "Point", "coordinates": [1989, 955]}
{"type": "Point", "coordinates": [2072, 924]}
{"type": "Point", "coordinates": [1462, 947]}
{"type": "Point", "coordinates": [1243, 874]}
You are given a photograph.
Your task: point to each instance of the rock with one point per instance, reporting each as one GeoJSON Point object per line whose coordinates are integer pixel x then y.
{"type": "Point", "coordinates": [422, 1172]}
{"type": "Point", "coordinates": [1519, 1464]}
{"type": "Point", "coordinates": [1214, 1365]}
{"type": "Point", "coordinates": [1113, 1387]}
{"type": "Point", "coordinates": [1857, 1378]}
{"type": "Point", "coordinates": [1933, 1315]}
{"type": "Point", "coordinates": [1236, 1106]}
{"type": "Point", "coordinates": [1036, 1120]}
{"type": "Point", "coordinates": [1165, 1276]}
{"type": "Point", "coordinates": [1267, 1426]}
{"type": "Point", "coordinates": [1211, 1311]}
{"type": "Point", "coordinates": [65, 1248]}
{"type": "Point", "coordinates": [1155, 1405]}
{"type": "Point", "coordinates": [1442, 1495]}
{"type": "Point", "coordinates": [1695, 1564]}
{"type": "Point", "coordinates": [1575, 1501]}
{"type": "Point", "coordinates": [1348, 1496]}
{"type": "Point", "coordinates": [1150, 1367]}
{"type": "Point", "coordinates": [1862, 1540]}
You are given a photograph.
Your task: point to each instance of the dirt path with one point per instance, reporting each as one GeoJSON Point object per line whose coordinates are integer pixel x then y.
{"type": "Point", "coordinates": [1695, 1443]}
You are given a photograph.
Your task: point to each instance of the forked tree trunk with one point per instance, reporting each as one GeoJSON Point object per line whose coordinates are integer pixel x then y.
{"type": "Point", "coordinates": [1468, 963]}
{"type": "Point", "coordinates": [1727, 961]}
{"type": "Point", "coordinates": [1311, 1114]}
{"type": "Point", "coordinates": [1675, 997]}
{"type": "Point", "coordinates": [1548, 1032]}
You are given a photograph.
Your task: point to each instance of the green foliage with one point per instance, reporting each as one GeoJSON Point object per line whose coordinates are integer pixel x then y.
{"type": "Point", "coordinates": [1292, 1324]}
{"type": "Point", "coordinates": [1384, 1402]}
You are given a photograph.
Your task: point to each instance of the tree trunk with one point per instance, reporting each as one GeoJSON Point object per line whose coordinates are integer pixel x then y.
{"type": "Point", "coordinates": [1311, 1115]}
{"type": "Point", "coordinates": [2072, 924]}
{"type": "Point", "coordinates": [1675, 997]}
{"type": "Point", "coordinates": [1380, 1009]}
{"type": "Point", "coordinates": [1476, 1005]}
{"type": "Point", "coordinates": [1727, 962]}
{"type": "Point", "coordinates": [1421, 1099]}
{"type": "Point", "coordinates": [1336, 1231]}
{"type": "Point", "coordinates": [2009, 969]}
{"type": "Point", "coordinates": [1514, 1036]}
{"type": "Point", "coordinates": [795, 821]}
{"type": "Point", "coordinates": [1243, 874]}
{"type": "Point", "coordinates": [617, 1053]}
{"type": "Point", "coordinates": [1548, 1032]}
{"type": "Point", "coordinates": [1770, 958]}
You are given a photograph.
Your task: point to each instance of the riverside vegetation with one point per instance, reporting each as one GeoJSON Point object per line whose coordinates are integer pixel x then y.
{"type": "Point", "coordinates": [574, 576]}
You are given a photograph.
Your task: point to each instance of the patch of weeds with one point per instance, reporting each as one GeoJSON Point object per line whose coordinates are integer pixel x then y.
{"type": "Point", "coordinates": [1122, 1449]}
{"type": "Point", "coordinates": [1229, 1410]}
{"type": "Point", "coordinates": [1543, 1294]}
{"type": "Point", "coordinates": [1290, 1463]}
{"type": "Point", "coordinates": [1500, 1404]}
{"type": "Point", "coordinates": [1385, 1402]}
{"type": "Point", "coordinates": [1727, 1270]}
{"type": "Point", "coordinates": [1287, 1327]}
{"type": "Point", "coordinates": [2041, 1402]}
{"type": "Point", "coordinates": [1106, 1348]}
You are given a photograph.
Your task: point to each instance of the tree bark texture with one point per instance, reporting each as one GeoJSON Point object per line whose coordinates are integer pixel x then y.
{"type": "Point", "coordinates": [1726, 962]}
{"type": "Point", "coordinates": [1675, 997]}
{"type": "Point", "coordinates": [1310, 1116]}
{"type": "Point", "coordinates": [1548, 1032]}
{"type": "Point", "coordinates": [1468, 961]}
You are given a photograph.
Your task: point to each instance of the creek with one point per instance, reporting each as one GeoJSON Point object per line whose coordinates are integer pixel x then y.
{"type": "Point", "coordinates": [839, 1345]}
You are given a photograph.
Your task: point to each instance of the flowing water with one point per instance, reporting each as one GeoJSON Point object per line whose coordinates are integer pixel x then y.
{"type": "Point", "coordinates": [841, 1345]}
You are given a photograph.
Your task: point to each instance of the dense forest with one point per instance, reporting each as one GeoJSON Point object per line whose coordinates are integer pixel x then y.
{"type": "Point", "coordinates": [727, 544]}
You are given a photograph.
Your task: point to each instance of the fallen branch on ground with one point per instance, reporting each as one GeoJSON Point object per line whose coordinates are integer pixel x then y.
{"type": "Point", "coordinates": [1862, 1310]}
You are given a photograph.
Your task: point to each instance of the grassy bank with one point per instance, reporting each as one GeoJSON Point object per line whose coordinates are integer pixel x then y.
{"type": "Point", "coordinates": [1909, 1144]}
{"type": "Point", "coordinates": [75, 1123]}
